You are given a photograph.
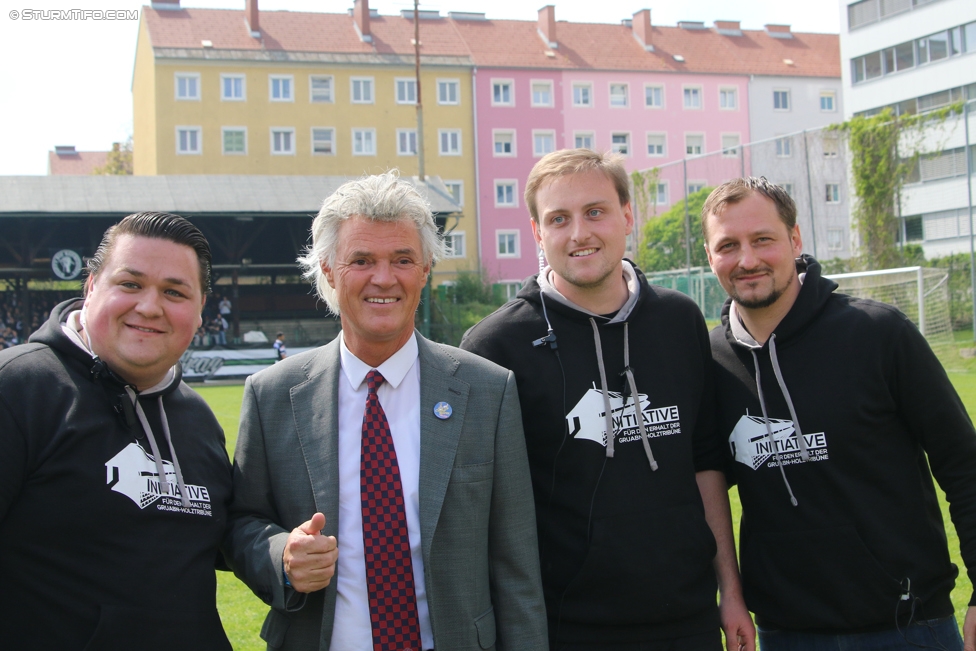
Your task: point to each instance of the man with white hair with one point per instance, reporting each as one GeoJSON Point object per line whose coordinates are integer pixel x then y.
{"type": "Point", "coordinates": [382, 497]}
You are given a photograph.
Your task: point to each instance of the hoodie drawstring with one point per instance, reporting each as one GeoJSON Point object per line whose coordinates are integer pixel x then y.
{"type": "Point", "coordinates": [163, 483]}
{"type": "Point", "coordinates": [804, 454]}
{"type": "Point", "coordinates": [633, 391]}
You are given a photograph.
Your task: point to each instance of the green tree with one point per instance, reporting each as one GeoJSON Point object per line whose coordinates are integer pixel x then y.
{"type": "Point", "coordinates": [119, 162]}
{"type": "Point", "coordinates": [663, 241]}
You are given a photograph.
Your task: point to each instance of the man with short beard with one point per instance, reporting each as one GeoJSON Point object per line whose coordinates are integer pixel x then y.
{"type": "Point", "coordinates": [835, 408]}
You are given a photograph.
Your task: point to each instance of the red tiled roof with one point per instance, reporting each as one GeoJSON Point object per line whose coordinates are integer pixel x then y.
{"type": "Point", "coordinates": [79, 163]}
{"type": "Point", "coordinates": [288, 31]}
{"type": "Point", "coordinates": [506, 43]}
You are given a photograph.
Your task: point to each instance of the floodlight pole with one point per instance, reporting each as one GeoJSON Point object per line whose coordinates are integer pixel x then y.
{"type": "Point", "coordinates": [969, 195]}
{"type": "Point", "coordinates": [421, 173]}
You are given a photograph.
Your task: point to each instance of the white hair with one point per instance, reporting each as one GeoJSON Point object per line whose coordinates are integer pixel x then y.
{"type": "Point", "coordinates": [381, 197]}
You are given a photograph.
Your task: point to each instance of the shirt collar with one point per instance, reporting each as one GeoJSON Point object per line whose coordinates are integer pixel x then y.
{"type": "Point", "coordinates": [393, 369]}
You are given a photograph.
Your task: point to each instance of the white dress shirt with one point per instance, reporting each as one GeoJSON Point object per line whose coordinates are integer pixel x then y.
{"type": "Point", "coordinates": [399, 396]}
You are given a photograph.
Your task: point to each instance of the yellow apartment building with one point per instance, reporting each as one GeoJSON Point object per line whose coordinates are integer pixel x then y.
{"type": "Point", "coordinates": [290, 93]}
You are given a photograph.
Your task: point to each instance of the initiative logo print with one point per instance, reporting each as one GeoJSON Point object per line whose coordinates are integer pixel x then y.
{"type": "Point", "coordinates": [586, 420]}
{"type": "Point", "coordinates": [132, 472]}
{"type": "Point", "coordinates": [751, 445]}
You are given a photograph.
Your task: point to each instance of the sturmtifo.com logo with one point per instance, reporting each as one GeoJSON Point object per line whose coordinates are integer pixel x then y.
{"type": "Point", "coordinates": [132, 472]}
{"type": "Point", "coordinates": [751, 445]}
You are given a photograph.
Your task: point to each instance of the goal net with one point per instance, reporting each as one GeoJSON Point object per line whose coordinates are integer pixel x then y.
{"type": "Point", "coordinates": [922, 293]}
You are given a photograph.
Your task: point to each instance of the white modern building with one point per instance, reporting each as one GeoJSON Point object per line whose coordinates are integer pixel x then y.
{"type": "Point", "coordinates": [915, 56]}
{"type": "Point", "coordinates": [786, 119]}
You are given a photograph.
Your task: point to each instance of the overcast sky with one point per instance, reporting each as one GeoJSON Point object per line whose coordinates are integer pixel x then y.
{"type": "Point", "coordinates": [69, 82]}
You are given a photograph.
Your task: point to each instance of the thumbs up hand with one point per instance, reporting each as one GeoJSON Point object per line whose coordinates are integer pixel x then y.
{"type": "Point", "coordinates": [309, 558]}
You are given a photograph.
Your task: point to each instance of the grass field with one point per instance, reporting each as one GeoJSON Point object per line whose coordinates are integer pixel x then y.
{"type": "Point", "coordinates": [243, 613]}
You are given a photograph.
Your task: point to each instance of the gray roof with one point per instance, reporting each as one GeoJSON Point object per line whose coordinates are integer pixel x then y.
{"type": "Point", "coordinates": [199, 194]}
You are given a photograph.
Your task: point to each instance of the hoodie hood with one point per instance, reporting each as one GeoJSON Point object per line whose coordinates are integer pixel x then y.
{"type": "Point", "coordinates": [810, 302]}
{"type": "Point", "coordinates": [539, 290]}
{"type": "Point", "coordinates": [815, 291]}
{"type": "Point", "coordinates": [60, 333]}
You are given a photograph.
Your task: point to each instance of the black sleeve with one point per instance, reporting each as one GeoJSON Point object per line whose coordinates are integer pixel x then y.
{"type": "Point", "coordinates": [937, 417]}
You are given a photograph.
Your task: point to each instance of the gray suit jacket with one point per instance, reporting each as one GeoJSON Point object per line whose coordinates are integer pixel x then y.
{"type": "Point", "coordinates": [477, 518]}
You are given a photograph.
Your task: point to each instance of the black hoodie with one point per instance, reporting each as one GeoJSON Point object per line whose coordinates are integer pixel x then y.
{"type": "Point", "coordinates": [626, 552]}
{"type": "Point", "coordinates": [94, 553]}
{"type": "Point", "coordinates": [875, 409]}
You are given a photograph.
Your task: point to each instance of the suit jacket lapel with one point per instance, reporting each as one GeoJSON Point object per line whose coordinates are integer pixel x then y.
{"type": "Point", "coordinates": [315, 407]}
{"type": "Point", "coordinates": [438, 438]}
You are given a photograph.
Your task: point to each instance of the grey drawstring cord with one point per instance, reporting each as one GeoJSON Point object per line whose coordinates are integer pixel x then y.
{"type": "Point", "coordinates": [633, 392]}
{"type": "Point", "coordinates": [769, 430]}
{"type": "Point", "coordinates": [608, 420]}
{"type": "Point", "coordinates": [164, 485]}
{"type": "Point", "coordinates": [804, 454]}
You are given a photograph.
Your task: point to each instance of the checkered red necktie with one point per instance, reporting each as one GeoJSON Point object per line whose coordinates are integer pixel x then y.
{"type": "Point", "coordinates": [386, 544]}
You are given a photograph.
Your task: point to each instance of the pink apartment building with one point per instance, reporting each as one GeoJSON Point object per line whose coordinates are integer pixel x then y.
{"type": "Point", "coordinates": [655, 94]}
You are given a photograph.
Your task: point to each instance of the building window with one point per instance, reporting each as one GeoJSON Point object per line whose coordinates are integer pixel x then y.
{"type": "Point", "coordinates": [692, 95]}
{"type": "Point", "coordinates": [694, 144]}
{"type": "Point", "coordinates": [835, 239]}
{"type": "Point", "coordinates": [662, 194]}
{"type": "Point", "coordinates": [730, 144]}
{"type": "Point", "coordinates": [508, 290]}
{"type": "Point", "coordinates": [583, 140]}
{"type": "Point", "coordinates": [833, 193]}
{"type": "Point", "coordinates": [323, 141]}
{"type": "Point", "coordinates": [831, 145]}
{"type": "Point", "coordinates": [582, 94]}
{"type": "Point", "coordinates": [781, 100]}
{"type": "Point", "coordinates": [364, 142]}
{"type": "Point", "coordinates": [504, 143]}
{"type": "Point", "coordinates": [362, 90]}
{"type": "Point", "coordinates": [656, 144]}
{"type": "Point", "coordinates": [406, 91]}
{"type": "Point", "coordinates": [788, 187]}
{"type": "Point", "coordinates": [281, 88]}
{"type": "Point", "coordinates": [450, 142]}
{"type": "Point", "coordinates": [282, 141]}
{"type": "Point", "coordinates": [320, 89]}
{"type": "Point", "coordinates": [543, 142]}
{"type": "Point", "coordinates": [448, 91]}
{"type": "Point", "coordinates": [541, 93]}
{"type": "Point", "coordinates": [456, 188]}
{"type": "Point", "coordinates": [827, 103]}
{"type": "Point", "coordinates": [187, 86]}
{"type": "Point", "coordinates": [620, 143]}
{"type": "Point", "coordinates": [506, 194]}
{"type": "Point", "coordinates": [866, 67]}
{"type": "Point", "coordinates": [189, 140]}
{"type": "Point", "coordinates": [728, 99]}
{"type": "Point", "coordinates": [234, 140]}
{"type": "Point", "coordinates": [784, 147]}
{"type": "Point", "coordinates": [406, 142]}
{"type": "Point", "coordinates": [695, 186]}
{"type": "Point", "coordinates": [654, 97]}
{"type": "Point", "coordinates": [502, 93]}
{"type": "Point", "coordinates": [454, 245]}
{"type": "Point", "coordinates": [508, 244]}
{"type": "Point", "coordinates": [618, 95]}
{"type": "Point", "coordinates": [232, 88]}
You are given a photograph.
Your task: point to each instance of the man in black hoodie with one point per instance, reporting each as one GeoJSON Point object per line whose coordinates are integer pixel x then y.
{"type": "Point", "coordinates": [835, 409]}
{"type": "Point", "coordinates": [631, 506]}
{"type": "Point", "coordinates": [114, 479]}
